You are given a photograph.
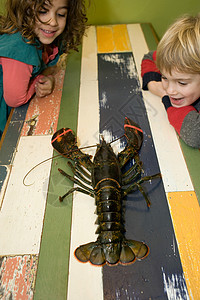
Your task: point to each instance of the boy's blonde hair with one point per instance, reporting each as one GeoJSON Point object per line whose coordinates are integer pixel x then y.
{"type": "Point", "coordinates": [179, 48]}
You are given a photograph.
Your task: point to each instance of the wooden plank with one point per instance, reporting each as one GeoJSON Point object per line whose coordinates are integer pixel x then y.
{"type": "Point", "coordinates": [185, 213]}
{"type": "Point", "coordinates": [83, 225]}
{"type": "Point", "coordinates": [52, 274]}
{"type": "Point", "coordinates": [23, 206]}
{"type": "Point", "coordinates": [42, 114]}
{"type": "Point", "coordinates": [89, 56]}
{"type": "Point", "coordinates": [149, 278]}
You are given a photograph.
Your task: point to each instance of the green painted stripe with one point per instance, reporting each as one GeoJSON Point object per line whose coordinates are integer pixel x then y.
{"type": "Point", "coordinates": [150, 36]}
{"type": "Point", "coordinates": [52, 274]}
{"type": "Point", "coordinates": [192, 158]}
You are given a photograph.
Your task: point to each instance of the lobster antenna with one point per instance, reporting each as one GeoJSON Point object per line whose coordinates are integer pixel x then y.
{"type": "Point", "coordinates": [58, 155]}
{"type": "Point", "coordinates": [36, 167]}
{"type": "Point", "coordinates": [119, 138]}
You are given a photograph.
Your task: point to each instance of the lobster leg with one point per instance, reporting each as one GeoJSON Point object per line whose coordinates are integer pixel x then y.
{"type": "Point", "coordinates": [130, 170]}
{"type": "Point", "coordinates": [138, 185]}
{"type": "Point", "coordinates": [78, 174]}
{"type": "Point", "coordinates": [75, 181]}
{"type": "Point", "coordinates": [83, 172]}
{"type": "Point", "coordinates": [131, 178]}
{"type": "Point", "coordinates": [73, 190]}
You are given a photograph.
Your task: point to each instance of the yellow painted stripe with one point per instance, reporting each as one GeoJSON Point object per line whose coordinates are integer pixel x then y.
{"type": "Point", "coordinates": [185, 213]}
{"type": "Point", "coordinates": [121, 38]}
{"type": "Point", "coordinates": [113, 39]}
{"type": "Point", "coordinates": [105, 40]}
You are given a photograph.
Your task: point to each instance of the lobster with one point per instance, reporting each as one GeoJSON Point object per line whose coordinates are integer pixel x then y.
{"type": "Point", "coordinates": [109, 187]}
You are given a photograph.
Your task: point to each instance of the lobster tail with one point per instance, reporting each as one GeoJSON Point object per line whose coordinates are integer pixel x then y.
{"type": "Point", "coordinates": [140, 249]}
{"type": "Point", "coordinates": [112, 253]}
{"type": "Point", "coordinates": [92, 252]}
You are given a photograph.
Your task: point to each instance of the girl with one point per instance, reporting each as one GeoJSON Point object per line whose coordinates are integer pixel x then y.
{"type": "Point", "coordinates": [33, 34]}
{"type": "Point", "coordinates": [173, 73]}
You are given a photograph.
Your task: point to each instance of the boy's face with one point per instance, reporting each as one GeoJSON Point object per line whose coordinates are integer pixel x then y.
{"type": "Point", "coordinates": [183, 89]}
{"type": "Point", "coordinates": [55, 15]}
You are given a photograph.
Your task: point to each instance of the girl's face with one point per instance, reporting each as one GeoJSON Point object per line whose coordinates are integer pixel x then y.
{"type": "Point", "coordinates": [53, 20]}
{"type": "Point", "coordinates": [183, 89]}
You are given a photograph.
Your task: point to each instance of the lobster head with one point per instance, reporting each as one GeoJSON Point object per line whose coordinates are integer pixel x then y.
{"type": "Point", "coordinates": [104, 152]}
{"type": "Point", "coordinates": [133, 133]}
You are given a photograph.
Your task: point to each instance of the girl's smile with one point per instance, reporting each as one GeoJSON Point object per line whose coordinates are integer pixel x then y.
{"type": "Point", "coordinates": [183, 89]}
{"type": "Point", "coordinates": [48, 33]}
{"type": "Point", "coordinates": [52, 21]}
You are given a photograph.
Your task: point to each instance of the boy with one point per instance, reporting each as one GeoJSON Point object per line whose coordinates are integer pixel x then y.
{"type": "Point", "coordinates": [173, 73]}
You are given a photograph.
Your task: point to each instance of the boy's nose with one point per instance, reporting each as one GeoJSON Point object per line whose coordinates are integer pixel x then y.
{"type": "Point", "coordinates": [171, 89]}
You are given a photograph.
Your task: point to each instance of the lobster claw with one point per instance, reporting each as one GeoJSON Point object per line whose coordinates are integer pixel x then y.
{"type": "Point", "coordinates": [134, 136]}
{"type": "Point", "coordinates": [133, 133]}
{"type": "Point", "coordinates": [64, 141]}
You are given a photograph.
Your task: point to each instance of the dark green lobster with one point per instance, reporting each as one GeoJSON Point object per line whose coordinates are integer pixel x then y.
{"type": "Point", "coordinates": [109, 187]}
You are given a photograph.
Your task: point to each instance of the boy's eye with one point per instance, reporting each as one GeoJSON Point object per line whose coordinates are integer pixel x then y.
{"type": "Point", "coordinates": [163, 78]}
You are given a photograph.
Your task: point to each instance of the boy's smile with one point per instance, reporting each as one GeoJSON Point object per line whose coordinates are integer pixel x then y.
{"type": "Point", "coordinates": [183, 89]}
{"type": "Point", "coordinates": [52, 21]}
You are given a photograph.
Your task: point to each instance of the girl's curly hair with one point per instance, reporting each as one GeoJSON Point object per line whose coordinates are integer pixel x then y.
{"type": "Point", "coordinates": [21, 16]}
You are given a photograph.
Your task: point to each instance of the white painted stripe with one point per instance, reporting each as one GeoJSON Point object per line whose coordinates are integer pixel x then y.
{"type": "Point", "coordinates": [89, 55]}
{"type": "Point", "coordinates": [22, 213]}
{"type": "Point", "coordinates": [172, 164]}
{"type": "Point", "coordinates": [85, 280]}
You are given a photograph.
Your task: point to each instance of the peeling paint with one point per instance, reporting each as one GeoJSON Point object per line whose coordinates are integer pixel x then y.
{"type": "Point", "coordinates": [175, 286]}
{"type": "Point", "coordinates": [118, 145]}
{"type": "Point", "coordinates": [103, 101]}
{"type": "Point", "coordinates": [18, 275]}
{"type": "Point", "coordinates": [126, 66]}
{"type": "Point", "coordinates": [32, 124]}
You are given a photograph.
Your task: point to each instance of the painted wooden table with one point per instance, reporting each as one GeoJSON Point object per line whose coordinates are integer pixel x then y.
{"type": "Point", "coordinates": [101, 86]}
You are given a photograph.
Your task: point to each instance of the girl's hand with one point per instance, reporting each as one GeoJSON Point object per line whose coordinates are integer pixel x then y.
{"type": "Point", "coordinates": [44, 86]}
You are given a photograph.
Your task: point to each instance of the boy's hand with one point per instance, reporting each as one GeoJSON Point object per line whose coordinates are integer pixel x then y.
{"type": "Point", "coordinates": [44, 86]}
{"type": "Point", "coordinates": [156, 88]}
